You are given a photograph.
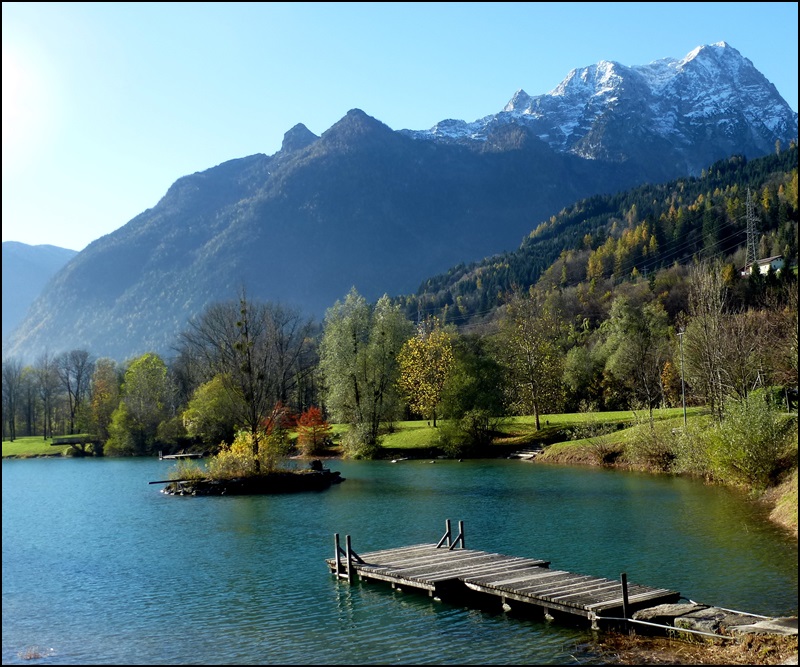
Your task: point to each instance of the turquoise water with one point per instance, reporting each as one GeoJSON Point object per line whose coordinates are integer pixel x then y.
{"type": "Point", "coordinates": [99, 567]}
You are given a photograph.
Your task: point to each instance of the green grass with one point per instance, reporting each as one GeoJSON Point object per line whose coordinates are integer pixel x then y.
{"type": "Point", "coordinates": [32, 446]}
{"type": "Point", "coordinates": [417, 435]}
{"type": "Point", "coordinates": [521, 431]}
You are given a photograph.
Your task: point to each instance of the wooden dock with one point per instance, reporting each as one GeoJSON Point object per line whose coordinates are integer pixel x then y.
{"type": "Point", "coordinates": [173, 457]}
{"type": "Point", "coordinates": [448, 569]}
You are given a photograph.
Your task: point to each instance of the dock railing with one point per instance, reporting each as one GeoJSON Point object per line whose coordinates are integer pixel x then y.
{"type": "Point", "coordinates": [349, 556]}
{"type": "Point", "coordinates": [447, 537]}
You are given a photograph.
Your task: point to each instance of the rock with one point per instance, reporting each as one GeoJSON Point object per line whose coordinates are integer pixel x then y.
{"type": "Point", "coordinates": [666, 613]}
{"type": "Point", "coordinates": [769, 626]}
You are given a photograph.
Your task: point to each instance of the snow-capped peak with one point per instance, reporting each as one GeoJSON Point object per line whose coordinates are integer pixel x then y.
{"type": "Point", "coordinates": [712, 91]}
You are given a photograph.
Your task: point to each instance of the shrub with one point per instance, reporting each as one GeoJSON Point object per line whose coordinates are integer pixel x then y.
{"type": "Point", "coordinates": [357, 442]}
{"type": "Point", "coordinates": [748, 445]}
{"type": "Point", "coordinates": [652, 445]}
{"type": "Point", "coordinates": [187, 470]}
{"type": "Point", "coordinates": [467, 435]}
{"type": "Point", "coordinates": [234, 460]}
{"type": "Point", "coordinates": [692, 452]}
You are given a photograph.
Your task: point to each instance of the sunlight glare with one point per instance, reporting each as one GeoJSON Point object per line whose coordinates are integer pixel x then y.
{"type": "Point", "coordinates": [26, 111]}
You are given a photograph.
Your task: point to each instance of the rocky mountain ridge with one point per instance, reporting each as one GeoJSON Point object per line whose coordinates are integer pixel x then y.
{"type": "Point", "coordinates": [382, 210]}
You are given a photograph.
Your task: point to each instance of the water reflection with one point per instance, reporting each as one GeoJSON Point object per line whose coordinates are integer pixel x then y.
{"type": "Point", "coordinates": [100, 566]}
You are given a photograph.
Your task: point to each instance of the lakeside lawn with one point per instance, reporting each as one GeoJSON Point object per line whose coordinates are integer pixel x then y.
{"type": "Point", "coordinates": [420, 435]}
{"type": "Point", "coordinates": [521, 431]}
{"type": "Point", "coordinates": [32, 446]}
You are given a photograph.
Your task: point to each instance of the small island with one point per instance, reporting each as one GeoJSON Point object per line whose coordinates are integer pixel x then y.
{"type": "Point", "coordinates": [314, 478]}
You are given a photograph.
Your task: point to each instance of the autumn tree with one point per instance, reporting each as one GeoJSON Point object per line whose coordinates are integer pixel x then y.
{"type": "Point", "coordinates": [104, 399]}
{"type": "Point", "coordinates": [530, 335]}
{"type": "Point", "coordinates": [426, 361]}
{"type": "Point", "coordinates": [313, 432]}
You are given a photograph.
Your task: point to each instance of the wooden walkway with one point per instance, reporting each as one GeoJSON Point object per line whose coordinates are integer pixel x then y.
{"type": "Point", "coordinates": [171, 457]}
{"type": "Point", "coordinates": [448, 569]}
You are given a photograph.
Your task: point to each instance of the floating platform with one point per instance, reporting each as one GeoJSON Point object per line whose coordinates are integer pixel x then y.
{"type": "Point", "coordinates": [449, 570]}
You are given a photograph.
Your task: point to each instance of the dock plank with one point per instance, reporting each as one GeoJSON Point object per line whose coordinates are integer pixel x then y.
{"type": "Point", "coordinates": [431, 568]}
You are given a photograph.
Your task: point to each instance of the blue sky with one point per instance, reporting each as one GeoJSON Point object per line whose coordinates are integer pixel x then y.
{"type": "Point", "coordinates": [105, 105]}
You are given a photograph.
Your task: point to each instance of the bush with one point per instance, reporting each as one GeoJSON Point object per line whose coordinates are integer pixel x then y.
{"type": "Point", "coordinates": [692, 452]}
{"type": "Point", "coordinates": [237, 460]}
{"type": "Point", "coordinates": [467, 435]}
{"type": "Point", "coordinates": [234, 460]}
{"type": "Point", "coordinates": [748, 446]}
{"type": "Point", "coordinates": [652, 445]}
{"type": "Point", "coordinates": [187, 470]}
{"type": "Point", "coordinates": [357, 442]}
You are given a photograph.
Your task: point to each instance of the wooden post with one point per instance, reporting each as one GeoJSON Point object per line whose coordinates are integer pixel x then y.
{"type": "Point", "coordinates": [349, 559]}
{"type": "Point", "coordinates": [460, 537]}
{"type": "Point", "coordinates": [624, 578]}
{"type": "Point", "coordinates": [446, 536]}
{"type": "Point", "coordinates": [336, 550]}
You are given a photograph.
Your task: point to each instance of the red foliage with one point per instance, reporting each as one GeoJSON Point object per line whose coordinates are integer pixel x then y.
{"type": "Point", "coordinates": [281, 418]}
{"type": "Point", "coordinates": [313, 431]}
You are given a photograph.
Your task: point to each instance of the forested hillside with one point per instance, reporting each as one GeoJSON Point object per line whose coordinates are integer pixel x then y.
{"type": "Point", "coordinates": [633, 234]}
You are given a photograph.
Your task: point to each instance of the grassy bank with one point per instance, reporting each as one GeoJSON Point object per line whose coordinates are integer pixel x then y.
{"type": "Point", "coordinates": [31, 447]}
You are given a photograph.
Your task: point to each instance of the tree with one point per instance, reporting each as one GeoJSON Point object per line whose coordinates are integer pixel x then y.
{"type": "Point", "coordinates": [530, 334]}
{"type": "Point", "coordinates": [12, 386]}
{"type": "Point", "coordinates": [358, 361]}
{"type": "Point", "coordinates": [638, 346]}
{"type": "Point", "coordinates": [209, 416]}
{"type": "Point", "coordinates": [255, 349]}
{"type": "Point", "coordinates": [313, 431]}
{"type": "Point", "coordinates": [705, 333]}
{"type": "Point", "coordinates": [75, 371]}
{"type": "Point", "coordinates": [146, 402]}
{"type": "Point", "coordinates": [426, 361]}
{"type": "Point", "coordinates": [105, 396]}
{"type": "Point", "coordinates": [47, 384]}
{"type": "Point", "coordinates": [476, 380]}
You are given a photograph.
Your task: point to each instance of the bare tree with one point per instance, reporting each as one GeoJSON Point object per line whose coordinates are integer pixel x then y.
{"type": "Point", "coordinates": [705, 333]}
{"type": "Point", "coordinates": [75, 371]}
{"type": "Point", "coordinates": [12, 385]}
{"type": "Point", "coordinates": [255, 349]}
{"type": "Point", "coordinates": [47, 384]}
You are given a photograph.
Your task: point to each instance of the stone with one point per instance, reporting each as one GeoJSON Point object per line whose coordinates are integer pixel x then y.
{"type": "Point", "coordinates": [770, 626]}
{"type": "Point", "coordinates": [666, 613]}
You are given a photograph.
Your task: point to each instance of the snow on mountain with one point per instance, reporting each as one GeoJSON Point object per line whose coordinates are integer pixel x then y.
{"type": "Point", "coordinates": [666, 100]}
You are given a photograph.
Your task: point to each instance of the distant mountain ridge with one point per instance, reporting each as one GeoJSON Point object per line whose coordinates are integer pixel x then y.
{"type": "Point", "coordinates": [26, 270]}
{"type": "Point", "coordinates": [713, 100]}
{"type": "Point", "coordinates": [382, 210]}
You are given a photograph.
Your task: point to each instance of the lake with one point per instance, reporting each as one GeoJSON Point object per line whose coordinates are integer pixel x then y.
{"type": "Point", "coordinates": [99, 567]}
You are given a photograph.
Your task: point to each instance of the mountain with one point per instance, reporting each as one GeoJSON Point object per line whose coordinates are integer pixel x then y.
{"type": "Point", "coordinates": [599, 243]}
{"type": "Point", "coordinates": [691, 112]}
{"type": "Point", "coordinates": [26, 270]}
{"type": "Point", "coordinates": [382, 210]}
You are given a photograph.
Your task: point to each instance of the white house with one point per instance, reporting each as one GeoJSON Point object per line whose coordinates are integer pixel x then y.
{"type": "Point", "coordinates": [764, 265]}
